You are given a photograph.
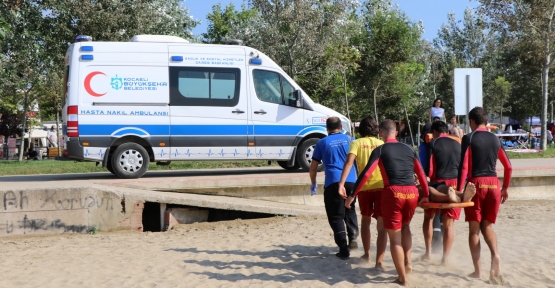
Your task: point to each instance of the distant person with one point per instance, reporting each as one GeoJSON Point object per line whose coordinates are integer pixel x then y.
{"type": "Point", "coordinates": [437, 119]}
{"type": "Point", "coordinates": [479, 153]}
{"type": "Point", "coordinates": [333, 150]}
{"type": "Point", "coordinates": [52, 137]}
{"type": "Point", "coordinates": [369, 199]}
{"type": "Point", "coordinates": [437, 111]}
{"type": "Point", "coordinates": [454, 128]}
{"type": "Point", "coordinates": [398, 163]}
{"type": "Point", "coordinates": [32, 154]}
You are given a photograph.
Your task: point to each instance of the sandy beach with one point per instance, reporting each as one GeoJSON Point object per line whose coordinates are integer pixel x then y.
{"type": "Point", "coordinates": [272, 252]}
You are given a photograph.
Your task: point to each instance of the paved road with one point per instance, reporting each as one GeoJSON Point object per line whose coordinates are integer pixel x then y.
{"type": "Point", "coordinates": [530, 165]}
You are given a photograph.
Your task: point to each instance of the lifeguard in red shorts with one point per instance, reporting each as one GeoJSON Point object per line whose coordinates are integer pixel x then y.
{"type": "Point", "coordinates": [369, 199]}
{"type": "Point", "coordinates": [444, 165]}
{"type": "Point", "coordinates": [398, 162]}
{"type": "Point", "coordinates": [479, 153]}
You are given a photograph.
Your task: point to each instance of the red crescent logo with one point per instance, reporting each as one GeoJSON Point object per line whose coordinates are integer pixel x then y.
{"type": "Point", "coordinates": [88, 84]}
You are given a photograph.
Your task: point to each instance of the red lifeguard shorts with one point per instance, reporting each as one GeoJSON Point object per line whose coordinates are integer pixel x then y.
{"type": "Point", "coordinates": [398, 205]}
{"type": "Point", "coordinates": [370, 204]}
{"type": "Point", "coordinates": [486, 201]}
{"type": "Point", "coordinates": [453, 213]}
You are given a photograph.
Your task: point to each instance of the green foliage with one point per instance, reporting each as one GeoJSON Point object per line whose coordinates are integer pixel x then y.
{"type": "Point", "coordinates": [3, 28]}
{"type": "Point", "coordinates": [388, 39]}
{"type": "Point", "coordinates": [221, 22]}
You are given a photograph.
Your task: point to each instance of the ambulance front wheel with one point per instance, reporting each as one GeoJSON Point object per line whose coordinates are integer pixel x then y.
{"type": "Point", "coordinates": [130, 161]}
{"type": "Point", "coordinates": [109, 167]}
{"type": "Point", "coordinates": [304, 154]}
{"type": "Point", "coordinates": [283, 164]}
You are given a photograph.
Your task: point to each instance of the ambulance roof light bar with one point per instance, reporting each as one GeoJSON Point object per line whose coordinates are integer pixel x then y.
{"type": "Point", "coordinates": [83, 38]}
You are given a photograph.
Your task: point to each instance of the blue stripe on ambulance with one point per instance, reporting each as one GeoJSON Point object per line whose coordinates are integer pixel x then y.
{"type": "Point", "coordinates": [198, 130]}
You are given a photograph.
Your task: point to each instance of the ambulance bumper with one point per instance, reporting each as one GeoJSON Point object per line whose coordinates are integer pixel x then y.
{"type": "Point", "coordinates": [74, 149]}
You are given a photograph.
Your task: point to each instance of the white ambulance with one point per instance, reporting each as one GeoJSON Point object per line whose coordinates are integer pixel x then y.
{"type": "Point", "coordinates": [160, 99]}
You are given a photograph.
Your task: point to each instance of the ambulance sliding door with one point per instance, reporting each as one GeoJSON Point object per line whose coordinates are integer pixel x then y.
{"type": "Point", "coordinates": [208, 107]}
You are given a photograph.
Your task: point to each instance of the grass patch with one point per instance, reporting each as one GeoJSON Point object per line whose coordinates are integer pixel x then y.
{"type": "Point", "coordinates": [29, 167]}
{"type": "Point", "coordinates": [548, 153]}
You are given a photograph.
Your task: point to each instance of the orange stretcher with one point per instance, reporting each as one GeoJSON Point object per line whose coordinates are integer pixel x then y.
{"type": "Point", "coordinates": [447, 205]}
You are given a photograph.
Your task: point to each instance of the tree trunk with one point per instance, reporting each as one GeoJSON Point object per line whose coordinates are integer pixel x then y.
{"type": "Point", "coordinates": [57, 131]}
{"type": "Point", "coordinates": [501, 113]}
{"type": "Point", "coordinates": [408, 124]}
{"type": "Point", "coordinates": [545, 75]}
{"type": "Point", "coordinates": [6, 148]}
{"type": "Point", "coordinates": [24, 124]}
{"type": "Point", "coordinates": [375, 105]}
{"type": "Point", "coordinates": [346, 97]}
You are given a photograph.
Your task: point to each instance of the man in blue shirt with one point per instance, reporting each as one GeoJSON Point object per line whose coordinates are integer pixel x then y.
{"type": "Point", "coordinates": [332, 151]}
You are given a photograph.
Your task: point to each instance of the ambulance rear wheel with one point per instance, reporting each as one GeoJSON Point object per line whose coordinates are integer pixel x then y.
{"type": "Point", "coordinates": [130, 161]}
{"type": "Point", "coordinates": [304, 154]}
{"type": "Point", "coordinates": [283, 164]}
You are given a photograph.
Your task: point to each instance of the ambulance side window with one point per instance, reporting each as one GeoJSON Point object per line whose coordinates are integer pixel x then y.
{"type": "Point", "coordinates": [272, 87]}
{"type": "Point", "coordinates": [194, 86]}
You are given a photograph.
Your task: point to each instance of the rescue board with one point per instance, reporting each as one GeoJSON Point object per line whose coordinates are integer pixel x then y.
{"type": "Point", "coordinates": [447, 205]}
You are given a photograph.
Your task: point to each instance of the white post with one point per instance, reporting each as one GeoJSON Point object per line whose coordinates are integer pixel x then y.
{"type": "Point", "coordinates": [467, 103]}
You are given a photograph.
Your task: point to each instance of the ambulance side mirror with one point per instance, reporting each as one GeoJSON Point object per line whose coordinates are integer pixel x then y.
{"type": "Point", "coordinates": [299, 98]}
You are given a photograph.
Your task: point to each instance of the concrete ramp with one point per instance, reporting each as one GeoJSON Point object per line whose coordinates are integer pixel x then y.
{"type": "Point", "coordinates": [79, 203]}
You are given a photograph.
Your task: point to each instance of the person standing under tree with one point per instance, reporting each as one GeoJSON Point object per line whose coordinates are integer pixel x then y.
{"type": "Point", "coordinates": [437, 111]}
{"type": "Point", "coordinates": [52, 137]}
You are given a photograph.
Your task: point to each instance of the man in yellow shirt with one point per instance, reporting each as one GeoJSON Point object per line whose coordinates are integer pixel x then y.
{"type": "Point", "coordinates": [370, 196]}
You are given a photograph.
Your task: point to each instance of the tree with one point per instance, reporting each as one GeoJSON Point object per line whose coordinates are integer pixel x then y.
{"type": "Point", "coordinates": [405, 86]}
{"type": "Point", "coordinates": [3, 28]}
{"type": "Point", "coordinates": [297, 33]}
{"type": "Point", "coordinates": [23, 68]}
{"type": "Point", "coordinates": [109, 21]}
{"type": "Point", "coordinates": [502, 91]}
{"type": "Point", "coordinates": [221, 23]}
{"type": "Point", "coordinates": [462, 44]}
{"type": "Point", "coordinates": [534, 20]}
{"type": "Point", "coordinates": [341, 62]}
{"type": "Point", "coordinates": [389, 38]}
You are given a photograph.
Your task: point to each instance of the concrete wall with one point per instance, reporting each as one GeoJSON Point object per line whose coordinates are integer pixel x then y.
{"type": "Point", "coordinates": [53, 211]}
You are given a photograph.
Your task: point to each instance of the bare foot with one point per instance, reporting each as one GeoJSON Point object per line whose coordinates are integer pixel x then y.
{"type": "Point", "coordinates": [496, 280]}
{"type": "Point", "coordinates": [475, 274]}
{"type": "Point", "coordinates": [495, 266]}
{"type": "Point", "coordinates": [401, 283]}
{"type": "Point", "coordinates": [408, 268]}
{"type": "Point", "coordinates": [453, 196]}
{"type": "Point", "coordinates": [445, 261]}
{"type": "Point", "coordinates": [469, 192]}
{"type": "Point", "coordinates": [425, 257]}
{"type": "Point", "coordinates": [379, 267]}
{"type": "Point", "coordinates": [364, 258]}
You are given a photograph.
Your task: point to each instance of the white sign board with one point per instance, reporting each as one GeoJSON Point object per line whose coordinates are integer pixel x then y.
{"type": "Point", "coordinates": [474, 92]}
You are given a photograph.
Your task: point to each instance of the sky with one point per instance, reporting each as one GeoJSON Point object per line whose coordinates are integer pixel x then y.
{"type": "Point", "coordinates": [432, 12]}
